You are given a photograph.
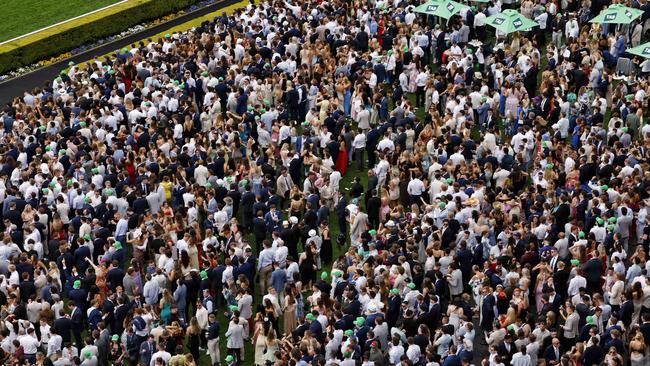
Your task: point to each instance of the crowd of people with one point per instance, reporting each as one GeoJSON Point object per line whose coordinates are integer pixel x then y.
{"type": "Point", "coordinates": [335, 183]}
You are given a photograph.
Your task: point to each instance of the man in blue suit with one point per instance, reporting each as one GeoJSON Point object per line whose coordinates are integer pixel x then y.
{"type": "Point", "coordinates": [553, 353]}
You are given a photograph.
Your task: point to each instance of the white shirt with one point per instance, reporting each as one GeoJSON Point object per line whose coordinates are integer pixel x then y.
{"type": "Point", "coordinates": [29, 344]}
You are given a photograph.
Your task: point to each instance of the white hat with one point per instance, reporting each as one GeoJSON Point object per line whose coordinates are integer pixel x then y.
{"type": "Point", "coordinates": [285, 223]}
{"type": "Point", "coordinates": [390, 223]}
{"type": "Point", "coordinates": [293, 220]}
{"type": "Point", "coordinates": [312, 232]}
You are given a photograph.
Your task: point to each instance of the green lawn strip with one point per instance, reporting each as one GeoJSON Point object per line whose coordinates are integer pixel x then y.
{"type": "Point", "coordinates": [25, 16]}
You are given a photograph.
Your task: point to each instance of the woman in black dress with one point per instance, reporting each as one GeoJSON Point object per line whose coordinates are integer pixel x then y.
{"type": "Point", "coordinates": [194, 337]}
{"type": "Point", "coordinates": [326, 250]}
{"type": "Point", "coordinates": [307, 263]}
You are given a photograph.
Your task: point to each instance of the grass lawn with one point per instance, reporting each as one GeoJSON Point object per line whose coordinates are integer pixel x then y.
{"type": "Point", "coordinates": [23, 16]}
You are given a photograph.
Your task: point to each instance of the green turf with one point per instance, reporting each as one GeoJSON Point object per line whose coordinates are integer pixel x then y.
{"type": "Point", "coordinates": [23, 16]}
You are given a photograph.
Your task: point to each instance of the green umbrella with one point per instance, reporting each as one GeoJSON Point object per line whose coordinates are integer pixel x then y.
{"type": "Point", "coordinates": [640, 50]}
{"type": "Point", "coordinates": [509, 21]}
{"type": "Point", "coordinates": [617, 14]}
{"type": "Point", "coordinates": [440, 8]}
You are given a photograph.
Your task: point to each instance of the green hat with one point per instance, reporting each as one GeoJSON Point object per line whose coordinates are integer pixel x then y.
{"type": "Point", "coordinates": [68, 182]}
{"type": "Point", "coordinates": [449, 180]}
{"type": "Point", "coordinates": [233, 307]}
{"type": "Point", "coordinates": [117, 245]}
{"type": "Point", "coordinates": [115, 337]}
{"type": "Point", "coordinates": [83, 124]}
{"type": "Point", "coordinates": [590, 319]}
{"type": "Point", "coordinates": [124, 50]}
{"type": "Point", "coordinates": [95, 170]}
{"type": "Point", "coordinates": [612, 220]}
{"type": "Point", "coordinates": [349, 333]}
{"type": "Point", "coordinates": [88, 354]}
{"type": "Point", "coordinates": [604, 187]}
{"type": "Point", "coordinates": [483, 99]}
{"type": "Point", "coordinates": [549, 165]}
{"type": "Point", "coordinates": [411, 285]}
{"type": "Point", "coordinates": [262, 110]}
{"type": "Point", "coordinates": [559, 15]}
{"type": "Point", "coordinates": [62, 72]}
{"type": "Point", "coordinates": [323, 276]}
{"type": "Point", "coordinates": [182, 85]}
{"type": "Point", "coordinates": [176, 82]}
{"type": "Point", "coordinates": [394, 291]}
{"type": "Point", "coordinates": [52, 184]}
{"type": "Point", "coordinates": [599, 221]}
{"type": "Point", "coordinates": [542, 8]}
{"type": "Point", "coordinates": [610, 227]}
{"type": "Point", "coordinates": [220, 78]}
{"type": "Point", "coordinates": [71, 63]}
{"type": "Point", "coordinates": [110, 72]}
{"type": "Point", "coordinates": [629, 97]}
{"type": "Point", "coordinates": [204, 275]}
{"type": "Point", "coordinates": [205, 73]}
{"type": "Point", "coordinates": [372, 232]}
{"type": "Point", "coordinates": [360, 321]}
{"type": "Point", "coordinates": [87, 237]}
{"type": "Point", "coordinates": [62, 151]}
{"type": "Point", "coordinates": [45, 190]}
{"type": "Point", "coordinates": [511, 328]}
{"type": "Point", "coordinates": [544, 146]}
{"type": "Point", "coordinates": [109, 191]}
{"type": "Point", "coordinates": [571, 97]}
{"type": "Point", "coordinates": [168, 35]}
{"type": "Point", "coordinates": [310, 316]}
{"type": "Point", "coordinates": [575, 262]}
{"type": "Point", "coordinates": [250, 108]}
{"type": "Point", "coordinates": [469, 51]}
{"type": "Point", "coordinates": [208, 185]}
{"type": "Point", "coordinates": [306, 123]}
{"type": "Point", "coordinates": [336, 273]}
{"type": "Point", "coordinates": [581, 234]}
{"type": "Point", "coordinates": [389, 53]}
{"type": "Point", "coordinates": [257, 118]}
{"type": "Point", "coordinates": [42, 128]}
{"type": "Point", "coordinates": [625, 129]}
{"type": "Point", "coordinates": [267, 102]}
{"type": "Point", "coordinates": [57, 79]}
{"type": "Point", "coordinates": [229, 358]}
{"type": "Point", "coordinates": [442, 205]}
{"type": "Point", "coordinates": [48, 148]}
{"type": "Point", "coordinates": [243, 182]}
{"type": "Point", "coordinates": [86, 200]}
{"type": "Point", "coordinates": [406, 49]}
{"type": "Point", "coordinates": [76, 284]}
{"type": "Point", "coordinates": [147, 104]}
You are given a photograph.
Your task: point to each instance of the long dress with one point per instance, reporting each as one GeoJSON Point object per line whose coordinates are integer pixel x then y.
{"type": "Point", "coordinates": [326, 250]}
{"type": "Point", "coordinates": [289, 322]}
{"type": "Point", "coordinates": [307, 268]}
{"type": "Point", "coordinates": [260, 346]}
{"type": "Point", "coordinates": [342, 160]}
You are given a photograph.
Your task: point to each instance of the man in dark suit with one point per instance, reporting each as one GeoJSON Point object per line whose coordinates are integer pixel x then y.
{"type": "Point", "coordinates": [247, 202]}
{"type": "Point", "coordinates": [487, 311]}
{"type": "Point", "coordinates": [373, 206]}
{"type": "Point", "coordinates": [63, 327]}
{"type": "Point", "coordinates": [77, 319]}
{"type": "Point", "coordinates": [507, 349]}
{"type": "Point", "coordinates": [553, 353]}
{"type": "Point", "coordinates": [259, 229]}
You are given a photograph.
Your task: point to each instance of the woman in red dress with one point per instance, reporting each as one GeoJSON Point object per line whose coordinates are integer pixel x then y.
{"type": "Point", "coordinates": [342, 157]}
